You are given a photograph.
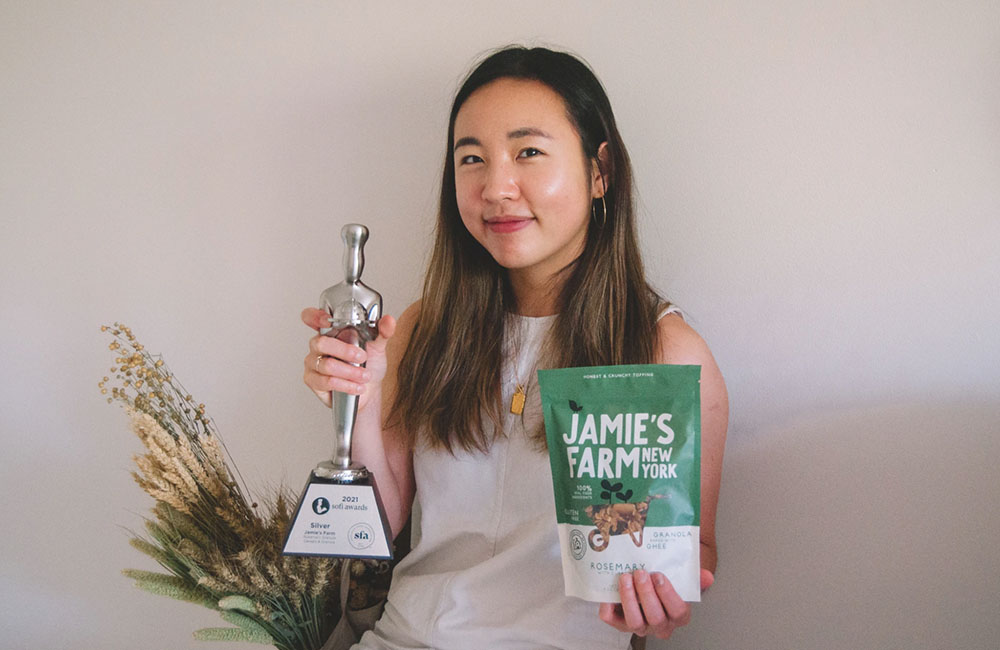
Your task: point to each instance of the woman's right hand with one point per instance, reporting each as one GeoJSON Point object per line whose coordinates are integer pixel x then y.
{"type": "Point", "coordinates": [328, 366]}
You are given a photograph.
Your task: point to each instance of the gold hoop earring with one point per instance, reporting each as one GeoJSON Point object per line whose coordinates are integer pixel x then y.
{"type": "Point", "coordinates": [604, 211]}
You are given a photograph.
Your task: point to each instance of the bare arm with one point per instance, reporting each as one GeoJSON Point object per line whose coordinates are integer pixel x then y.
{"type": "Point", "coordinates": [680, 344]}
{"type": "Point", "coordinates": [649, 603]}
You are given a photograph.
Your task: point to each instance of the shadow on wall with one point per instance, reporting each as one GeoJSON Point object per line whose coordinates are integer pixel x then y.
{"type": "Point", "coordinates": [869, 527]}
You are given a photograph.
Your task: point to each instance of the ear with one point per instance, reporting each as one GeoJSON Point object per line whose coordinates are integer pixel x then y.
{"type": "Point", "coordinates": [599, 179]}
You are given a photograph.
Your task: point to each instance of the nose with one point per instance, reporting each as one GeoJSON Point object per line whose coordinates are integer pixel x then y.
{"type": "Point", "coordinates": [500, 182]}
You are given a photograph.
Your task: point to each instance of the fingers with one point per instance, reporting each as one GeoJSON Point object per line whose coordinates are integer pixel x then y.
{"type": "Point", "coordinates": [324, 396]}
{"type": "Point", "coordinates": [707, 579]}
{"type": "Point", "coordinates": [329, 346]}
{"type": "Point", "coordinates": [318, 319]}
{"type": "Point", "coordinates": [611, 614]}
{"type": "Point", "coordinates": [652, 609]}
{"type": "Point", "coordinates": [324, 374]}
{"type": "Point", "coordinates": [386, 328]}
{"type": "Point", "coordinates": [336, 365]}
{"type": "Point", "coordinates": [333, 347]}
{"type": "Point", "coordinates": [634, 620]}
{"type": "Point", "coordinates": [315, 318]}
{"type": "Point", "coordinates": [336, 368]}
{"type": "Point", "coordinates": [678, 611]}
{"type": "Point", "coordinates": [650, 605]}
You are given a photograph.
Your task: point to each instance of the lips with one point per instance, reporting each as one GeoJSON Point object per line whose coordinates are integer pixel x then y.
{"type": "Point", "coordinates": [507, 224]}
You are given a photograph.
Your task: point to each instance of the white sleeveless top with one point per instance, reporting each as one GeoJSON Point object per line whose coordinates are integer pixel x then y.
{"type": "Point", "coordinates": [485, 569]}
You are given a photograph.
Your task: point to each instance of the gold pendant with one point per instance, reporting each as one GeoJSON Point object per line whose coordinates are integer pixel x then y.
{"type": "Point", "coordinates": [517, 401]}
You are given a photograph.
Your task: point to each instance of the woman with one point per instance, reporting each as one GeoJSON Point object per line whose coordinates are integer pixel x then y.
{"type": "Point", "coordinates": [535, 264]}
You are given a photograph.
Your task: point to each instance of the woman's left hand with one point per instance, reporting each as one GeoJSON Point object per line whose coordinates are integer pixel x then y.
{"type": "Point", "coordinates": [650, 605]}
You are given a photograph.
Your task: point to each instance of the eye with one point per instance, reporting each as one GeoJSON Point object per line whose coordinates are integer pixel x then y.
{"type": "Point", "coordinates": [529, 152]}
{"type": "Point", "coordinates": [469, 160]}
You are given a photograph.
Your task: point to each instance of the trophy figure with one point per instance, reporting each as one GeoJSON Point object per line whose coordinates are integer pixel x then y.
{"type": "Point", "coordinates": [340, 513]}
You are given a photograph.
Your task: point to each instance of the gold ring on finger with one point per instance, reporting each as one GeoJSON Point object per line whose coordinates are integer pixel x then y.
{"type": "Point", "coordinates": [319, 357]}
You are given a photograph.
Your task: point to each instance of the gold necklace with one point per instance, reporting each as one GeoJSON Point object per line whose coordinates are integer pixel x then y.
{"type": "Point", "coordinates": [517, 399]}
{"type": "Point", "coordinates": [521, 389]}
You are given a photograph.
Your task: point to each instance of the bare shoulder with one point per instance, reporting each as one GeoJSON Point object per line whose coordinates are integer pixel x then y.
{"type": "Point", "coordinates": [677, 342]}
{"type": "Point", "coordinates": [411, 313]}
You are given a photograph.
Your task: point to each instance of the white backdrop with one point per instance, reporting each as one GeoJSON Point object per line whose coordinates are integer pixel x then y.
{"type": "Point", "coordinates": [820, 185]}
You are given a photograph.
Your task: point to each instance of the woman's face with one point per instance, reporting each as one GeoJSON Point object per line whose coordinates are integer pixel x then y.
{"type": "Point", "coordinates": [523, 184]}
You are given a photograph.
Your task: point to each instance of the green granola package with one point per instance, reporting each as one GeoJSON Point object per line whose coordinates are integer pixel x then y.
{"type": "Point", "coordinates": [625, 448]}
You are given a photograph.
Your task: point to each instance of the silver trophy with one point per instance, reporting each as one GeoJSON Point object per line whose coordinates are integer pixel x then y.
{"type": "Point", "coordinates": [354, 309]}
{"type": "Point", "coordinates": [340, 513]}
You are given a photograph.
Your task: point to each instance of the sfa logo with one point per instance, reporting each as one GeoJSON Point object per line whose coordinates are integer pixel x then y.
{"type": "Point", "coordinates": [361, 536]}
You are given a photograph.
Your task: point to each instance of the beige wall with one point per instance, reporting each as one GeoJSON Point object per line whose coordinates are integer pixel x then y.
{"type": "Point", "coordinates": [820, 185]}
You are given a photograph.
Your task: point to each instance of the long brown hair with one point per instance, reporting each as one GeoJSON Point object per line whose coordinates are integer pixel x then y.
{"type": "Point", "coordinates": [449, 377]}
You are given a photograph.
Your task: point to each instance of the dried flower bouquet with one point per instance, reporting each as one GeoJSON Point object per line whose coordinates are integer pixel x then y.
{"type": "Point", "coordinates": [220, 549]}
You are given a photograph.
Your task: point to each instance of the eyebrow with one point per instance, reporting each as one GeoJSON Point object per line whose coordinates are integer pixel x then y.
{"type": "Point", "coordinates": [526, 131]}
{"type": "Point", "coordinates": [512, 135]}
{"type": "Point", "coordinates": [466, 141]}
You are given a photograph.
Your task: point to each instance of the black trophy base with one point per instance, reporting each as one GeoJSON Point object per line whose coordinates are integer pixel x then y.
{"type": "Point", "coordinates": [339, 514]}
